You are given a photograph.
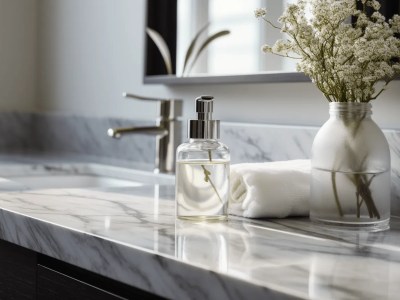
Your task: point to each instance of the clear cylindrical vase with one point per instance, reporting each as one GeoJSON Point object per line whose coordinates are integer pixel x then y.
{"type": "Point", "coordinates": [350, 176]}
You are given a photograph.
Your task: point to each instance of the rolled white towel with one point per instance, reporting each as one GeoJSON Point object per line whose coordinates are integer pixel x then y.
{"type": "Point", "coordinates": [271, 190]}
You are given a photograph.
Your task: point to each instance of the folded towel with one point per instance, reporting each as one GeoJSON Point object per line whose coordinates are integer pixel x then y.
{"type": "Point", "coordinates": [272, 189]}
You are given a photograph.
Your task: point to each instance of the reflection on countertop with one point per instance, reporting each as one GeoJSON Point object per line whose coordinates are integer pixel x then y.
{"type": "Point", "coordinates": [130, 234]}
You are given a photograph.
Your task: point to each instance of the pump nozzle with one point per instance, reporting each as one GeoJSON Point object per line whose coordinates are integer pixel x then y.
{"type": "Point", "coordinates": [204, 127]}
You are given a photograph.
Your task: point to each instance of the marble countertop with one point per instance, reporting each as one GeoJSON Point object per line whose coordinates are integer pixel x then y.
{"type": "Point", "coordinates": [130, 234]}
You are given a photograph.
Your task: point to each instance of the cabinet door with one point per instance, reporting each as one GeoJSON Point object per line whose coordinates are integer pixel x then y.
{"type": "Point", "coordinates": [54, 285]}
{"type": "Point", "coordinates": [17, 272]}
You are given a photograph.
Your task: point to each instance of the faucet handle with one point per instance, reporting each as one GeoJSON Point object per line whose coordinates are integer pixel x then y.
{"type": "Point", "coordinates": [170, 109]}
{"type": "Point", "coordinates": [137, 97]}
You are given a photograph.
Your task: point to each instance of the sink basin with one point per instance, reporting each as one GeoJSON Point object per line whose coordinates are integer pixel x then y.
{"type": "Point", "coordinates": [72, 181]}
{"type": "Point", "coordinates": [53, 176]}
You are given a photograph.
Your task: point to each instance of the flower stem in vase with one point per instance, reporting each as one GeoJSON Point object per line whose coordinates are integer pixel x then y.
{"type": "Point", "coordinates": [207, 177]}
{"type": "Point", "coordinates": [335, 193]}
{"type": "Point", "coordinates": [360, 181]}
{"type": "Point", "coordinates": [363, 189]}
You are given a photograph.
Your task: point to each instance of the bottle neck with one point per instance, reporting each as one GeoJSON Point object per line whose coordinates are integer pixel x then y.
{"type": "Point", "coordinates": [350, 110]}
{"type": "Point", "coordinates": [191, 140]}
{"type": "Point", "coordinates": [203, 129]}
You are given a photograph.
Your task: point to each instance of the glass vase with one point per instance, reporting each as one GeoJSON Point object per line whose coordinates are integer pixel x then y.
{"type": "Point", "coordinates": [350, 175]}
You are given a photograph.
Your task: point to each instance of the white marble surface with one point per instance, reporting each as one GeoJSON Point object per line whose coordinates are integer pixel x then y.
{"type": "Point", "coordinates": [86, 136]}
{"type": "Point", "coordinates": [130, 234]}
{"type": "Point", "coordinates": [59, 133]}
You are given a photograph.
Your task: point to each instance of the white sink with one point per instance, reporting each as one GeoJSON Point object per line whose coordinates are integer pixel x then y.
{"type": "Point", "coordinates": [51, 176]}
{"type": "Point", "coordinates": [71, 181]}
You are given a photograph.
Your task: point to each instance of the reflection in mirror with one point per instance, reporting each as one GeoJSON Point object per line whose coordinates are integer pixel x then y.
{"type": "Point", "coordinates": [236, 53]}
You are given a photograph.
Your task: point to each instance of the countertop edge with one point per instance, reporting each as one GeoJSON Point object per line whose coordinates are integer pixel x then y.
{"type": "Point", "coordinates": [161, 275]}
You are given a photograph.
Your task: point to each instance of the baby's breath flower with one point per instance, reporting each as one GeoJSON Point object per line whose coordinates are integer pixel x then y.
{"type": "Point", "coordinates": [395, 23]}
{"type": "Point", "coordinates": [345, 61]}
{"type": "Point", "coordinates": [378, 17]}
{"type": "Point", "coordinates": [260, 12]}
{"type": "Point", "coordinates": [266, 48]}
{"type": "Point", "coordinates": [374, 4]}
{"type": "Point", "coordinates": [282, 47]}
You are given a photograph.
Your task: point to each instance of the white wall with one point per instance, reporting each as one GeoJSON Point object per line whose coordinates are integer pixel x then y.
{"type": "Point", "coordinates": [18, 55]}
{"type": "Point", "coordinates": [92, 50]}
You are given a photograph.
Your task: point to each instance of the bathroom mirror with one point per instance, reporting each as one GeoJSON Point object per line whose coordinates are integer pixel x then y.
{"type": "Point", "coordinates": [233, 57]}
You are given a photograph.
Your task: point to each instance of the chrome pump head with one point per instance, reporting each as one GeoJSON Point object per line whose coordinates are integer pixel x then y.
{"type": "Point", "coordinates": [204, 127]}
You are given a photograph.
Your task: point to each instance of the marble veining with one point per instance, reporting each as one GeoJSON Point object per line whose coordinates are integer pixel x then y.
{"type": "Point", "coordinates": [75, 134]}
{"type": "Point", "coordinates": [126, 243]}
{"type": "Point", "coordinates": [131, 235]}
{"type": "Point", "coordinates": [57, 133]}
{"type": "Point", "coordinates": [260, 143]}
{"type": "Point", "coordinates": [15, 131]}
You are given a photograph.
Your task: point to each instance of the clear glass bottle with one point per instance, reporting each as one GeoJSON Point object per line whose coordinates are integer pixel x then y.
{"type": "Point", "coordinates": [350, 182]}
{"type": "Point", "coordinates": [202, 169]}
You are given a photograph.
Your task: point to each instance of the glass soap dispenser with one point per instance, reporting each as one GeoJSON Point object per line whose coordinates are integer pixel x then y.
{"type": "Point", "coordinates": [202, 169]}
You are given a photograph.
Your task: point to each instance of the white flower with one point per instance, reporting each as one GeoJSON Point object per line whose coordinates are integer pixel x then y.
{"type": "Point", "coordinates": [345, 61]}
{"type": "Point", "coordinates": [395, 23]}
{"type": "Point", "coordinates": [266, 48]}
{"type": "Point", "coordinates": [374, 4]}
{"type": "Point", "coordinates": [283, 47]}
{"type": "Point", "coordinates": [378, 17]}
{"type": "Point", "coordinates": [260, 12]}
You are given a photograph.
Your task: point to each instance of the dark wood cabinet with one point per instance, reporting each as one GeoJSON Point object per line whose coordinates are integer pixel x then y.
{"type": "Point", "coordinates": [17, 272]}
{"type": "Point", "coordinates": [25, 275]}
{"type": "Point", "coordinates": [54, 285]}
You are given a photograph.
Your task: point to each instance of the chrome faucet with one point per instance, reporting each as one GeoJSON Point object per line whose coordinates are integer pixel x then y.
{"type": "Point", "coordinates": [167, 131]}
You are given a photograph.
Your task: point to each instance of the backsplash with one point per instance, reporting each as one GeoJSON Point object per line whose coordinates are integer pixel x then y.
{"type": "Point", "coordinates": [54, 133]}
{"type": "Point", "coordinates": [259, 143]}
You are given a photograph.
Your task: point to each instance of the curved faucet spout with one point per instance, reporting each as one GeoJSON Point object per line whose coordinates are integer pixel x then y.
{"type": "Point", "coordinates": [167, 131]}
{"type": "Point", "coordinates": [149, 130]}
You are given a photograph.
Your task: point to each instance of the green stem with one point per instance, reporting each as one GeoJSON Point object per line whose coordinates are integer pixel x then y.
{"type": "Point", "coordinates": [335, 193]}
{"type": "Point", "coordinates": [272, 25]}
{"type": "Point", "coordinates": [365, 192]}
{"type": "Point", "coordinates": [358, 203]}
{"type": "Point", "coordinates": [207, 177]}
{"type": "Point", "coordinates": [360, 181]}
